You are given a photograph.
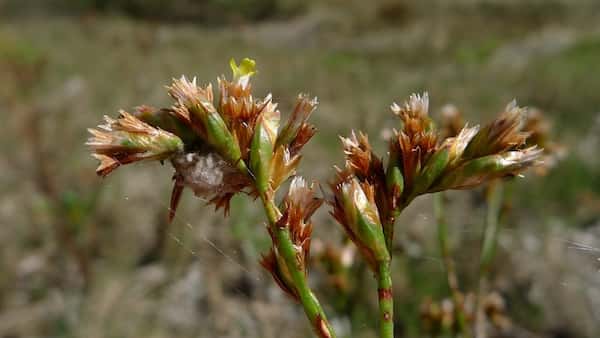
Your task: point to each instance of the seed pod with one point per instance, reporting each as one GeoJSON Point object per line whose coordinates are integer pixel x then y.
{"type": "Point", "coordinates": [261, 149]}
{"type": "Point", "coordinates": [355, 209]}
{"type": "Point", "coordinates": [394, 183]}
{"type": "Point", "coordinates": [221, 138]}
{"type": "Point", "coordinates": [434, 167]}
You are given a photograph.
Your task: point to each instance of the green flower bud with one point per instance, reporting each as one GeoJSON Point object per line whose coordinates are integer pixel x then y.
{"type": "Point", "coordinates": [221, 138]}
{"type": "Point", "coordinates": [356, 210]}
{"type": "Point", "coordinates": [479, 170]}
{"type": "Point", "coordinates": [165, 120]}
{"type": "Point", "coordinates": [434, 167]}
{"type": "Point", "coordinates": [394, 180]}
{"type": "Point", "coordinates": [262, 147]}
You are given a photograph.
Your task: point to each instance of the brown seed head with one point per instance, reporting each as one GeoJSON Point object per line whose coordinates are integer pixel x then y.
{"type": "Point", "coordinates": [359, 154]}
{"type": "Point", "coordinates": [298, 206]}
{"type": "Point", "coordinates": [503, 134]}
{"type": "Point", "coordinates": [417, 140]}
{"type": "Point", "coordinates": [297, 131]}
{"type": "Point", "coordinates": [128, 139]}
{"type": "Point", "coordinates": [192, 103]}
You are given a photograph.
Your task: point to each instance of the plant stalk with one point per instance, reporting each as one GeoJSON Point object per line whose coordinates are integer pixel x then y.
{"type": "Point", "coordinates": [386, 300]}
{"type": "Point", "coordinates": [388, 233]}
{"type": "Point", "coordinates": [388, 228]}
{"type": "Point", "coordinates": [490, 239]}
{"type": "Point", "coordinates": [310, 303]}
{"type": "Point", "coordinates": [439, 206]}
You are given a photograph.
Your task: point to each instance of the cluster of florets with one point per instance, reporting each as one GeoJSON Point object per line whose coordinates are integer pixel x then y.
{"type": "Point", "coordinates": [217, 148]}
{"type": "Point", "coordinates": [235, 143]}
{"type": "Point", "coordinates": [422, 159]}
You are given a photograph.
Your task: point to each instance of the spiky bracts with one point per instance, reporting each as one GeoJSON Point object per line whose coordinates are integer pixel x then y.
{"type": "Point", "coordinates": [217, 147]}
{"type": "Point", "coordinates": [360, 206]}
{"type": "Point", "coordinates": [222, 147]}
{"type": "Point", "coordinates": [429, 163]}
{"type": "Point", "coordinates": [298, 206]}
{"type": "Point", "coordinates": [355, 209]}
{"type": "Point", "coordinates": [127, 140]}
{"type": "Point", "coordinates": [424, 160]}
{"type": "Point", "coordinates": [236, 143]}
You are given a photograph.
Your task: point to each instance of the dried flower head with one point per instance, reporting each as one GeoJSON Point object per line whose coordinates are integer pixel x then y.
{"type": "Point", "coordinates": [216, 150]}
{"type": "Point", "coordinates": [477, 171]}
{"type": "Point", "coordinates": [423, 161]}
{"type": "Point", "coordinates": [503, 134]}
{"type": "Point", "coordinates": [194, 105]}
{"type": "Point", "coordinates": [127, 139]}
{"type": "Point", "coordinates": [416, 142]}
{"type": "Point", "coordinates": [166, 120]}
{"type": "Point", "coordinates": [363, 163]}
{"type": "Point", "coordinates": [359, 155]}
{"type": "Point", "coordinates": [298, 207]}
{"type": "Point", "coordinates": [297, 131]}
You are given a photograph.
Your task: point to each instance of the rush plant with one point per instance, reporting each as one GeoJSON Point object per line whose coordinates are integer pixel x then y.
{"type": "Point", "coordinates": [236, 143]}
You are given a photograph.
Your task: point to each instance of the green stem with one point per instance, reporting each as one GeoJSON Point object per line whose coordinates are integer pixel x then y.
{"type": "Point", "coordinates": [388, 233]}
{"type": "Point", "coordinates": [490, 236]}
{"type": "Point", "coordinates": [285, 247]}
{"type": "Point", "coordinates": [439, 206]}
{"type": "Point", "coordinates": [388, 228]}
{"type": "Point", "coordinates": [488, 250]}
{"type": "Point", "coordinates": [386, 300]}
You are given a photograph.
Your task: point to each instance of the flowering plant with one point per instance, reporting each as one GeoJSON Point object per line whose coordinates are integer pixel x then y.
{"type": "Point", "coordinates": [236, 143]}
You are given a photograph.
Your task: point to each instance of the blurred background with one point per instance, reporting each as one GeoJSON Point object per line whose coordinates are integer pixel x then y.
{"type": "Point", "coordinates": [86, 257]}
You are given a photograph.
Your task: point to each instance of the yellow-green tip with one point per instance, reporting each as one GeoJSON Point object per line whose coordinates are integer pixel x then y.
{"type": "Point", "coordinates": [247, 67]}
